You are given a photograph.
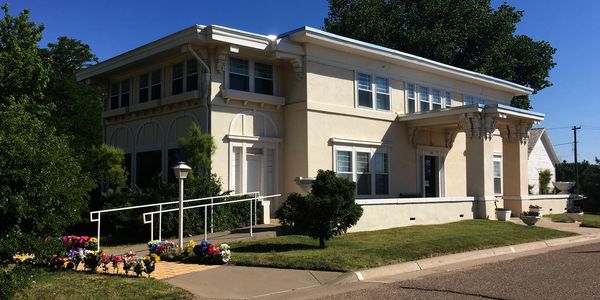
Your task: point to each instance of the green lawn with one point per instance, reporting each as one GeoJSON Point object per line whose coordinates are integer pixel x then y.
{"type": "Point", "coordinates": [361, 250]}
{"type": "Point", "coordinates": [588, 220]}
{"type": "Point", "coordinates": [79, 285]}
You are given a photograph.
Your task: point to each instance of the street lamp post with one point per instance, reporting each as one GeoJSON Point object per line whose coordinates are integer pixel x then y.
{"type": "Point", "coordinates": [181, 172]}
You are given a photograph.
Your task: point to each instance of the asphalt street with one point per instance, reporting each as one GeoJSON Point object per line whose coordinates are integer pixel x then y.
{"type": "Point", "coordinates": [570, 273]}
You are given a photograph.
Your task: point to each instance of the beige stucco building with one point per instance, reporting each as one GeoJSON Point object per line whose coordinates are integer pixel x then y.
{"type": "Point", "coordinates": [424, 141]}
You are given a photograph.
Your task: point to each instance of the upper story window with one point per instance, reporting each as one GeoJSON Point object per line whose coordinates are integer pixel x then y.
{"type": "Point", "coordinates": [249, 76]}
{"type": "Point", "coordinates": [155, 88]}
{"type": "Point", "coordinates": [177, 84]}
{"type": "Point", "coordinates": [191, 75]}
{"type": "Point", "coordinates": [239, 74]}
{"type": "Point", "coordinates": [448, 99]}
{"type": "Point", "coordinates": [467, 100]}
{"type": "Point", "coordinates": [150, 86]}
{"type": "Point", "coordinates": [368, 167]}
{"type": "Point", "coordinates": [144, 92]}
{"type": "Point", "coordinates": [119, 94]}
{"type": "Point", "coordinates": [373, 93]}
{"type": "Point", "coordinates": [263, 78]}
{"type": "Point", "coordinates": [428, 98]}
{"type": "Point", "coordinates": [411, 97]}
{"type": "Point", "coordinates": [124, 92]}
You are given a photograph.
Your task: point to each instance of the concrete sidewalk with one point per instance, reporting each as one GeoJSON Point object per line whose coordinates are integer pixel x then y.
{"type": "Point", "coordinates": [233, 282]}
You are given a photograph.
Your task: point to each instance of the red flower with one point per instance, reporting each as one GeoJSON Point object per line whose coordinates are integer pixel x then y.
{"type": "Point", "coordinates": [211, 250]}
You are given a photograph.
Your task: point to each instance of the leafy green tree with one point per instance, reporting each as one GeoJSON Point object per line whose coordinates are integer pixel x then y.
{"type": "Point", "coordinates": [327, 211]}
{"type": "Point", "coordinates": [544, 178]}
{"type": "Point", "coordinates": [107, 166]}
{"type": "Point", "coordinates": [469, 34]}
{"type": "Point", "coordinates": [198, 148]}
{"type": "Point", "coordinates": [42, 186]}
{"type": "Point", "coordinates": [77, 106]}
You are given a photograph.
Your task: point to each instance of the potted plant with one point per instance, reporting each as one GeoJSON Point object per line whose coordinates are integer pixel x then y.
{"type": "Point", "coordinates": [503, 214]}
{"type": "Point", "coordinates": [574, 213]}
{"type": "Point", "coordinates": [530, 217]}
{"type": "Point", "coordinates": [536, 208]}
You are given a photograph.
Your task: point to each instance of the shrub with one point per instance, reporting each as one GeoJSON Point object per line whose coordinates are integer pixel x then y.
{"type": "Point", "coordinates": [544, 179]}
{"type": "Point", "coordinates": [13, 279]}
{"type": "Point", "coordinates": [327, 211]}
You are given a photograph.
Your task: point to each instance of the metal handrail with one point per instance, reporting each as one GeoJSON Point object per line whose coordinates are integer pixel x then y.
{"type": "Point", "coordinates": [95, 216]}
{"type": "Point", "coordinates": [253, 203]}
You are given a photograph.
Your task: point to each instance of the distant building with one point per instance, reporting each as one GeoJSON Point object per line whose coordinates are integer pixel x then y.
{"type": "Point", "coordinates": [541, 156]}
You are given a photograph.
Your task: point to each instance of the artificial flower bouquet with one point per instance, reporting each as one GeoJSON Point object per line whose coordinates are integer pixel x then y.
{"type": "Point", "coordinates": [209, 253]}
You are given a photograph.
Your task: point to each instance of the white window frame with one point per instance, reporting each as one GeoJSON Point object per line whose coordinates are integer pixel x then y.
{"type": "Point", "coordinates": [371, 150]}
{"type": "Point", "coordinates": [498, 158]}
{"type": "Point", "coordinates": [373, 92]}
{"type": "Point", "coordinates": [441, 154]}
{"type": "Point", "coordinates": [417, 96]}
{"type": "Point", "coordinates": [447, 102]}
{"type": "Point", "coordinates": [252, 74]}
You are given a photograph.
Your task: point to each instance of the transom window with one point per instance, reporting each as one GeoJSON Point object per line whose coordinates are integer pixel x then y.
{"type": "Point", "coordinates": [248, 76]}
{"type": "Point", "coordinates": [368, 167]}
{"type": "Point", "coordinates": [373, 93]}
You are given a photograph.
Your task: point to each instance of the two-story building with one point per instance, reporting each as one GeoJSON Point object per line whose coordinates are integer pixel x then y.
{"type": "Point", "coordinates": [425, 142]}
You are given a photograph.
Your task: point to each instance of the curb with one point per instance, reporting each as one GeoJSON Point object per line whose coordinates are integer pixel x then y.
{"type": "Point", "coordinates": [429, 263]}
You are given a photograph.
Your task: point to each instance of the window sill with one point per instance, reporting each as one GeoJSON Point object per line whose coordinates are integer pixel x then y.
{"type": "Point", "coordinates": [245, 97]}
{"type": "Point", "coordinates": [144, 105]}
{"type": "Point", "coordinates": [181, 97]}
{"type": "Point", "coordinates": [115, 112]}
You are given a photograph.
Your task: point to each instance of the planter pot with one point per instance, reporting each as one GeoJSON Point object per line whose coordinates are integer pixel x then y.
{"type": "Point", "coordinates": [530, 220]}
{"type": "Point", "coordinates": [574, 216]}
{"type": "Point", "coordinates": [503, 215]}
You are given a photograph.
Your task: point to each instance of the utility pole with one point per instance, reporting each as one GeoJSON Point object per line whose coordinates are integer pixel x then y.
{"type": "Point", "coordinates": [575, 128]}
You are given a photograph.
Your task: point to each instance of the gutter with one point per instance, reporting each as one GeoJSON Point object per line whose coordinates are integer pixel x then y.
{"type": "Point", "coordinates": [207, 86]}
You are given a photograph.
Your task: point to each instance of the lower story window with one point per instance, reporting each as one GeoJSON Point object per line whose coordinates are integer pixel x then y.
{"type": "Point", "coordinates": [367, 167]}
{"type": "Point", "coordinates": [497, 174]}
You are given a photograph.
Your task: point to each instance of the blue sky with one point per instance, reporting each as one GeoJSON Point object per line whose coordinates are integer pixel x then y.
{"type": "Point", "coordinates": [113, 27]}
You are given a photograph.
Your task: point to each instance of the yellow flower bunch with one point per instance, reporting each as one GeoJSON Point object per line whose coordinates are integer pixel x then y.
{"type": "Point", "coordinates": [189, 246]}
{"type": "Point", "coordinates": [23, 257]}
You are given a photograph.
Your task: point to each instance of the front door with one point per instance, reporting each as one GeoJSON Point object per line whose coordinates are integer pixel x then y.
{"type": "Point", "coordinates": [253, 173]}
{"type": "Point", "coordinates": [430, 176]}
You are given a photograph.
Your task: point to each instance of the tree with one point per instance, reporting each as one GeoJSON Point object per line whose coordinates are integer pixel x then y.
{"type": "Point", "coordinates": [77, 106]}
{"type": "Point", "coordinates": [42, 186]}
{"type": "Point", "coordinates": [327, 211]}
{"type": "Point", "coordinates": [469, 34]}
{"type": "Point", "coordinates": [198, 148]}
{"type": "Point", "coordinates": [545, 176]}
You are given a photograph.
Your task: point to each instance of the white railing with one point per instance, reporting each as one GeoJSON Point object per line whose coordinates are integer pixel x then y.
{"type": "Point", "coordinates": [95, 216]}
{"type": "Point", "coordinates": [253, 208]}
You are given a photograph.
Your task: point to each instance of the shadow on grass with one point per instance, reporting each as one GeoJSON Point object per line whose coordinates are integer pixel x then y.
{"type": "Point", "coordinates": [274, 247]}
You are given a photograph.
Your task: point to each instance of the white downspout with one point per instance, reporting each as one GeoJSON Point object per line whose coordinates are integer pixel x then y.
{"type": "Point", "coordinates": [207, 87]}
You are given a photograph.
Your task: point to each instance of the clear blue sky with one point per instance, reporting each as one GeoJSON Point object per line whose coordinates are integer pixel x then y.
{"type": "Point", "coordinates": [113, 27]}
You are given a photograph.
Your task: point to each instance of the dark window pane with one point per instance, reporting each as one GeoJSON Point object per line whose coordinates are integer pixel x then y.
{"type": "Point", "coordinates": [365, 99]}
{"type": "Point", "coordinates": [155, 92]}
{"type": "Point", "coordinates": [114, 102]}
{"type": "Point", "coordinates": [345, 175]}
{"type": "Point", "coordinates": [424, 106]}
{"type": "Point", "coordinates": [437, 106]}
{"type": "Point", "coordinates": [155, 77]}
{"type": "Point", "coordinates": [411, 106]}
{"type": "Point", "coordinates": [192, 82]}
{"type": "Point", "coordinates": [177, 79]}
{"type": "Point", "coordinates": [125, 99]}
{"type": "Point", "coordinates": [143, 95]}
{"type": "Point", "coordinates": [263, 86]}
{"type": "Point", "coordinates": [239, 82]}
{"type": "Point", "coordinates": [497, 185]}
{"type": "Point", "coordinates": [363, 186]}
{"type": "Point", "coordinates": [192, 67]}
{"type": "Point", "coordinates": [177, 86]}
{"type": "Point", "coordinates": [149, 168]}
{"type": "Point", "coordinates": [263, 71]}
{"type": "Point", "coordinates": [175, 156]}
{"type": "Point", "coordinates": [381, 184]}
{"type": "Point", "coordinates": [383, 102]}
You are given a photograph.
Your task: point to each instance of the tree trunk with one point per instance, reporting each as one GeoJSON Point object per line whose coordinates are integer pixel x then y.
{"type": "Point", "coordinates": [321, 242]}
